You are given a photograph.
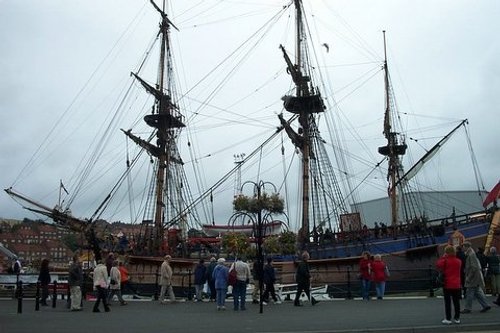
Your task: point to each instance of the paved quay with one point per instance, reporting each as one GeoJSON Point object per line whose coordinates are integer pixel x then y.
{"type": "Point", "coordinates": [389, 315]}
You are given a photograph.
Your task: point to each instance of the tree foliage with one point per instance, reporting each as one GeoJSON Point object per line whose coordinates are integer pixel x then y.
{"type": "Point", "coordinates": [280, 244]}
{"type": "Point", "coordinates": [287, 241]}
{"type": "Point", "coordinates": [236, 243]}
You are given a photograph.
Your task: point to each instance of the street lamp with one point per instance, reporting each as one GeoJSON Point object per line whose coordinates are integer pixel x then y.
{"type": "Point", "coordinates": [260, 231]}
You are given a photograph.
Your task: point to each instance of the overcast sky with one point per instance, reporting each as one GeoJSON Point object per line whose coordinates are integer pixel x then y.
{"type": "Point", "coordinates": [76, 56]}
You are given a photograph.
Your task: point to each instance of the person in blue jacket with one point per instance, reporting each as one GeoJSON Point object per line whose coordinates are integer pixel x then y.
{"type": "Point", "coordinates": [220, 275]}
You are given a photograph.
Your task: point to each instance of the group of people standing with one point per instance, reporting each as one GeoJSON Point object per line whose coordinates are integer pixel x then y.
{"type": "Point", "coordinates": [466, 273]}
{"type": "Point", "coordinates": [217, 275]}
{"type": "Point", "coordinates": [372, 269]}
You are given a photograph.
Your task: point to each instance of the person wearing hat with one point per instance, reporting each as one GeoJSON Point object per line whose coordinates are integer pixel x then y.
{"type": "Point", "coordinates": [220, 276]}
{"type": "Point", "coordinates": [166, 280]}
{"type": "Point", "coordinates": [474, 281]}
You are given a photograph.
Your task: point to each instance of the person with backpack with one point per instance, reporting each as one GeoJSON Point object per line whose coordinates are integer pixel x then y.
{"type": "Point", "coordinates": [16, 266]}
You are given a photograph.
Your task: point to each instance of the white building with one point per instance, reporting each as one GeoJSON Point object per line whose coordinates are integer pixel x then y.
{"type": "Point", "coordinates": [435, 205]}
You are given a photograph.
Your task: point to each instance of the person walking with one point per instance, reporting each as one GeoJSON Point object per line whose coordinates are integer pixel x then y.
{"type": "Point", "coordinates": [460, 254]}
{"type": "Point", "coordinates": [493, 269]}
{"type": "Point", "coordinates": [101, 286]}
{"type": "Point", "coordinates": [256, 276]}
{"type": "Point", "coordinates": [200, 277]}
{"type": "Point", "coordinates": [166, 280]}
{"type": "Point", "coordinates": [44, 280]}
{"type": "Point", "coordinates": [451, 267]}
{"type": "Point", "coordinates": [210, 279]}
{"type": "Point", "coordinates": [269, 280]}
{"type": "Point", "coordinates": [303, 279]}
{"type": "Point", "coordinates": [220, 275]}
{"type": "Point", "coordinates": [474, 281]}
{"type": "Point", "coordinates": [125, 283]}
{"type": "Point", "coordinates": [379, 275]}
{"type": "Point", "coordinates": [75, 280]}
{"type": "Point", "coordinates": [240, 289]}
{"type": "Point", "coordinates": [365, 272]}
{"type": "Point", "coordinates": [109, 261]}
{"type": "Point", "coordinates": [115, 284]}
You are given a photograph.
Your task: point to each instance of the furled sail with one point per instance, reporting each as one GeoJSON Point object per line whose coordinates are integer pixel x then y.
{"type": "Point", "coordinates": [430, 154]}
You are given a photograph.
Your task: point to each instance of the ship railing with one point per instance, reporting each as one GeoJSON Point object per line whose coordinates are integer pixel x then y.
{"type": "Point", "coordinates": [344, 283]}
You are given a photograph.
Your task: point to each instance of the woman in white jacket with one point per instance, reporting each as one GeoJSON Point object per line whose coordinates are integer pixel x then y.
{"type": "Point", "coordinates": [115, 284]}
{"type": "Point", "coordinates": [101, 286]}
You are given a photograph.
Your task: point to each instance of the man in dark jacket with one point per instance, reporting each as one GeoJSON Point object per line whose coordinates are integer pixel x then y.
{"type": "Point", "coordinates": [210, 279]}
{"type": "Point", "coordinates": [200, 275]}
{"type": "Point", "coordinates": [269, 280]}
{"type": "Point", "coordinates": [75, 279]}
{"type": "Point", "coordinates": [303, 279]}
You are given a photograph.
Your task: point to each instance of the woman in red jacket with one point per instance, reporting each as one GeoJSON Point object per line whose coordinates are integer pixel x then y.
{"type": "Point", "coordinates": [365, 272]}
{"type": "Point", "coordinates": [379, 275]}
{"type": "Point", "coordinates": [450, 265]}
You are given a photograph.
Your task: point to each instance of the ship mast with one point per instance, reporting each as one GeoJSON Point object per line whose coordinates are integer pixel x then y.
{"type": "Point", "coordinates": [303, 91]}
{"type": "Point", "coordinates": [304, 104]}
{"type": "Point", "coordinates": [167, 120]}
{"type": "Point", "coordinates": [162, 136]}
{"type": "Point", "coordinates": [393, 149]}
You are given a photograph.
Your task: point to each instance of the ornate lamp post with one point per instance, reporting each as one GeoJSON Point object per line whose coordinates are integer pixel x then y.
{"type": "Point", "coordinates": [259, 228]}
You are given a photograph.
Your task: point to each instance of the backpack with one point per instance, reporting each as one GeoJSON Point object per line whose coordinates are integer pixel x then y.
{"type": "Point", "coordinates": [15, 268]}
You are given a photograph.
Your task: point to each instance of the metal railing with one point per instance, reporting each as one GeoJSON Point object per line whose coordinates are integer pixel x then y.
{"type": "Point", "coordinates": [419, 282]}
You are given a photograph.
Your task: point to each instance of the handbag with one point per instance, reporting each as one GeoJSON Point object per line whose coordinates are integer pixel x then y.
{"type": "Point", "coordinates": [439, 281]}
{"type": "Point", "coordinates": [232, 277]}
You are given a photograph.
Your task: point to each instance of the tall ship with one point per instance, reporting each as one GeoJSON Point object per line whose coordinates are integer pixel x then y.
{"type": "Point", "coordinates": [294, 181]}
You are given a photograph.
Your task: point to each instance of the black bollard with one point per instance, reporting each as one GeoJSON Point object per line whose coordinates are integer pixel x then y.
{"type": "Point", "coordinates": [68, 293]}
{"type": "Point", "coordinates": [37, 297]}
{"type": "Point", "coordinates": [349, 292]}
{"type": "Point", "coordinates": [156, 284]}
{"type": "Point", "coordinates": [54, 294]}
{"type": "Point", "coordinates": [431, 282]}
{"type": "Point", "coordinates": [19, 293]}
{"type": "Point", "coordinates": [190, 294]}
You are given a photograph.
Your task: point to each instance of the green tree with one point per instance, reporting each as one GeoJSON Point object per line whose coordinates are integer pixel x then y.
{"type": "Point", "coordinates": [287, 241]}
{"type": "Point", "coordinates": [236, 243]}
{"type": "Point", "coordinates": [272, 245]}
